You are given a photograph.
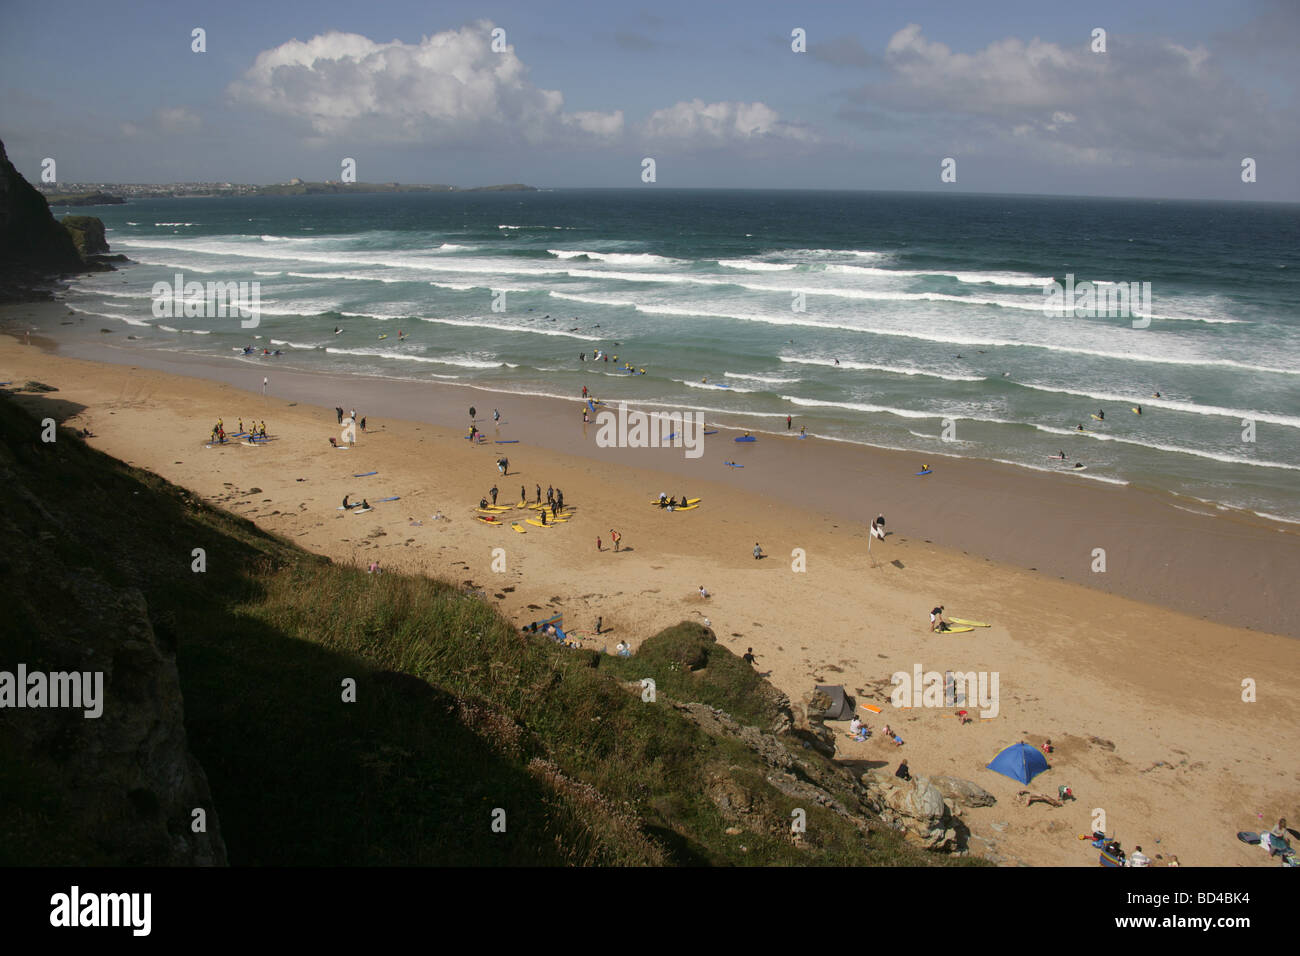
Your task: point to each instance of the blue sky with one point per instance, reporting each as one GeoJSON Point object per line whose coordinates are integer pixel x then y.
{"type": "Point", "coordinates": [711, 90]}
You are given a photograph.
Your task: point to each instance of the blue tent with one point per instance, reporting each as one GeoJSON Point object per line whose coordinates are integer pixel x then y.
{"type": "Point", "coordinates": [1020, 762]}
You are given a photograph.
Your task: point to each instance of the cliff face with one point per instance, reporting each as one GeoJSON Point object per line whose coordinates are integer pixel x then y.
{"type": "Point", "coordinates": [122, 788]}
{"type": "Point", "coordinates": [31, 241]}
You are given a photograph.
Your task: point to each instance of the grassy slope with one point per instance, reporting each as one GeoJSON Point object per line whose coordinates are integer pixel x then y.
{"type": "Point", "coordinates": [410, 773]}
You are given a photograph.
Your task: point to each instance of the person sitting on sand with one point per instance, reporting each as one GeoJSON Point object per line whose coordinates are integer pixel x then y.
{"type": "Point", "coordinates": [878, 527]}
{"type": "Point", "coordinates": [482, 504]}
{"type": "Point", "coordinates": [623, 649]}
{"type": "Point", "coordinates": [663, 502]}
{"type": "Point", "coordinates": [333, 442]}
{"type": "Point", "coordinates": [858, 730]}
{"type": "Point", "coordinates": [1275, 840]}
{"type": "Point", "coordinates": [365, 505]}
{"type": "Point", "coordinates": [1047, 749]}
{"type": "Point", "coordinates": [902, 773]}
{"type": "Point", "coordinates": [937, 621]}
{"type": "Point", "coordinates": [703, 592]}
{"type": "Point", "coordinates": [346, 506]}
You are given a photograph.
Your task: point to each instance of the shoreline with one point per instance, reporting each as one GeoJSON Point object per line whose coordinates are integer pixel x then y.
{"type": "Point", "coordinates": [1134, 696]}
{"type": "Point", "coordinates": [1222, 567]}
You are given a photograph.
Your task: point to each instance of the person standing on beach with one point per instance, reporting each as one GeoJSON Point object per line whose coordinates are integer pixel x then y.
{"type": "Point", "coordinates": [584, 391]}
{"type": "Point", "coordinates": [598, 623]}
{"type": "Point", "coordinates": [559, 498]}
{"type": "Point", "coordinates": [749, 658]}
{"type": "Point", "coordinates": [758, 552]}
{"type": "Point", "coordinates": [539, 494]}
{"type": "Point", "coordinates": [523, 495]}
{"type": "Point", "coordinates": [363, 422]}
{"type": "Point", "coordinates": [493, 493]}
{"type": "Point", "coordinates": [340, 413]}
{"type": "Point", "coordinates": [598, 547]}
{"type": "Point", "coordinates": [788, 422]}
{"type": "Point", "coordinates": [615, 537]}
{"type": "Point", "coordinates": [496, 415]}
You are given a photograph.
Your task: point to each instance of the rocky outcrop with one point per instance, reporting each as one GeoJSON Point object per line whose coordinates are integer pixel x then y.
{"type": "Point", "coordinates": [87, 234]}
{"type": "Point", "coordinates": [811, 729]}
{"type": "Point", "coordinates": [963, 793]}
{"type": "Point", "coordinates": [33, 246]}
{"type": "Point", "coordinates": [915, 807]}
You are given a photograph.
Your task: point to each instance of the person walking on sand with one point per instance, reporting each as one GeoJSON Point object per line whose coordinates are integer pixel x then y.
{"type": "Point", "coordinates": [559, 498]}
{"type": "Point", "coordinates": [539, 494]}
{"type": "Point", "coordinates": [493, 493]}
{"type": "Point", "coordinates": [788, 422]}
{"type": "Point", "coordinates": [615, 537]}
{"type": "Point", "coordinates": [598, 546]}
{"type": "Point", "coordinates": [363, 422]}
{"type": "Point", "coordinates": [496, 415]}
{"type": "Point", "coordinates": [749, 658]}
{"type": "Point", "coordinates": [584, 391]}
{"type": "Point", "coordinates": [599, 620]}
{"type": "Point", "coordinates": [758, 552]}
{"type": "Point", "coordinates": [523, 495]}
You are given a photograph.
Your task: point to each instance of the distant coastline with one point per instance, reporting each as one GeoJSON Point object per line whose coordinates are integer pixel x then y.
{"type": "Point", "coordinates": [96, 194]}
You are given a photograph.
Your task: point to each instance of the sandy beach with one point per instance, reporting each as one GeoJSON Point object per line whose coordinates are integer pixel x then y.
{"type": "Point", "coordinates": [1135, 673]}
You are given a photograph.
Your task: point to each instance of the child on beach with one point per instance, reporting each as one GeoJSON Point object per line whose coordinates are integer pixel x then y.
{"type": "Point", "coordinates": [758, 552]}
{"type": "Point", "coordinates": [703, 593]}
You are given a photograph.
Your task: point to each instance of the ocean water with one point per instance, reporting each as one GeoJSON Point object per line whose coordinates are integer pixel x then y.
{"type": "Point", "coordinates": [742, 303]}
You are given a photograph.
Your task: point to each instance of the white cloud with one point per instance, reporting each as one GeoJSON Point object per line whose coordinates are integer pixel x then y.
{"type": "Point", "coordinates": [722, 123]}
{"type": "Point", "coordinates": [448, 88]}
{"type": "Point", "coordinates": [1070, 104]}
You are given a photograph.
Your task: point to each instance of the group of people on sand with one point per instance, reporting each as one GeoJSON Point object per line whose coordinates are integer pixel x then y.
{"type": "Point", "coordinates": [256, 432]}
{"type": "Point", "coordinates": [671, 503]}
{"type": "Point", "coordinates": [362, 505]}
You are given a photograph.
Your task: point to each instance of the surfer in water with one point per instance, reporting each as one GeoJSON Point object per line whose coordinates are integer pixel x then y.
{"type": "Point", "coordinates": [1079, 428]}
{"type": "Point", "coordinates": [1101, 415]}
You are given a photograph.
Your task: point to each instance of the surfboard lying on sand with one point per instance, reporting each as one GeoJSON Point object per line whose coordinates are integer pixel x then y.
{"type": "Point", "coordinates": [488, 519]}
{"type": "Point", "coordinates": [535, 523]}
{"type": "Point", "coordinates": [732, 464]}
{"type": "Point", "coordinates": [714, 432]}
{"type": "Point", "coordinates": [365, 474]}
{"type": "Point", "coordinates": [507, 441]}
{"type": "Point", "coordinates": [956, 630]}
{"type": "Point", "coordinates": [515, 525]}
{"type": "Point", "coordinates": [959, 620]}
{"type": "Point", "coordinates": [361, 511]}
{"type": "Point", "coordinates": [871, 707]}
{"type": "Point", "coordinates": [393, 498]}
{"type": "Point", "coordinates": [684, 508]}
{"type": "Point", "coordinates": [928, 471]}
{"type": "Point", "coordinates": [746, 438]}
{"type": "Point", "coordinates": [689, 501]}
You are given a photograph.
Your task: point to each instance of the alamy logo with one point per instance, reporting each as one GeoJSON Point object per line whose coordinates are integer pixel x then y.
{"type": "Point", "coordinates": [1123, 300]}
{"type": "Point", "coordinates": [75, 908]}
{"type": "Point", "coordinates": [208, 300]}
{"type": "Point", "coordinates": [77, 690]}
{"type": "Point", "coordinates": [651, 430]}
{"type": "Point", "coordinates": [932, 689]}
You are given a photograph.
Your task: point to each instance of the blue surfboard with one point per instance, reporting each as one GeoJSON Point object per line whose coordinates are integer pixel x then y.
{"type": "Point", "coordinates": [365, 474]}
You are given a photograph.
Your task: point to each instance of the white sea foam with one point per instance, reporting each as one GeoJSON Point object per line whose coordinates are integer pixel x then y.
{"type": "Point", "coordinates": [1273, 418]}
{"type": "Point", "coordinates": [895, 369]}
{"type": "Point", "coordinates": [751, 265]}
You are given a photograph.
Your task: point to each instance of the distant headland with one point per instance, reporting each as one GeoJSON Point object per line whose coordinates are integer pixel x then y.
{"type": "Point", "coordinates": [103, 194]}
